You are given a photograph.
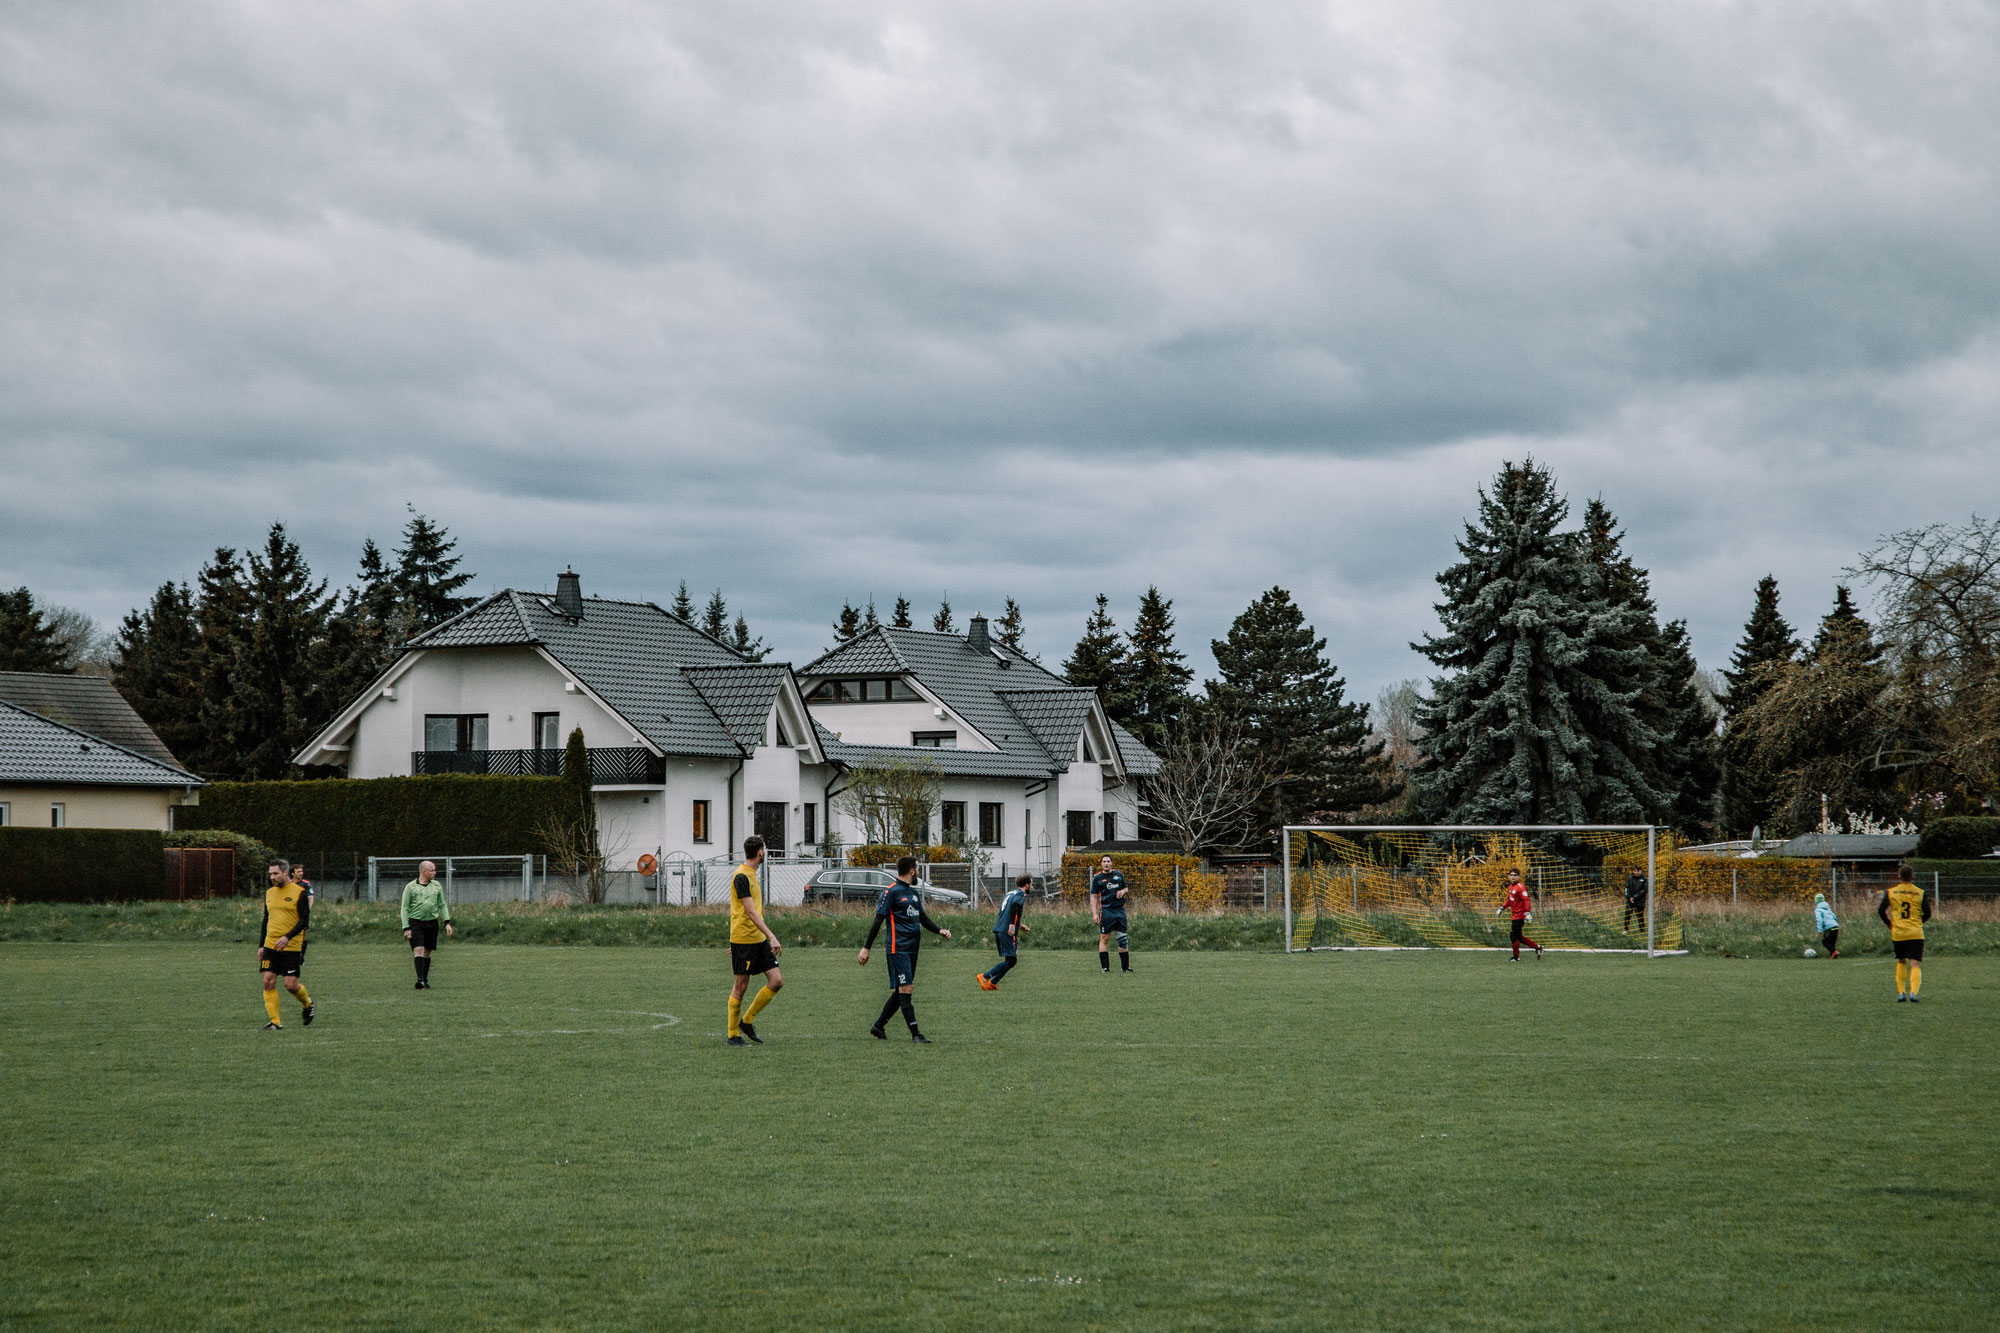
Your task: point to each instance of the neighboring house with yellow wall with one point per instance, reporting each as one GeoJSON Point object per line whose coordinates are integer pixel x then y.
{"type": "Point", "coordinates": [57, 775]}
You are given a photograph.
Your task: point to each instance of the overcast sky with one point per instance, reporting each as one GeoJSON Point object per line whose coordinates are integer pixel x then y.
{"type": "Point", "coordinates": [810, 302]}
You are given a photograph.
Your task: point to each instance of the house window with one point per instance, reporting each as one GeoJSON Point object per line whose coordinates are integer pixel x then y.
{"type": "Point", "coordinates": [548, 731]}
{"type": "Point", "coordinates": [1110, 826]}
{"type": "Point", "coordinates": [701, 821]}
{"type": "Point", "coordinates": [954, 820]}
{"type": "Point", "coordinates": [989, 822]}
{"type": "Point", "coordinates": [934, 740]}
{"type": "Point", "coordinates": [809, 824]}
{"type": "Point", "coordinates": [58, 814]}
{"type": "Point", "coordinates": [1077, 829]}
{"type": "Point", "coordinates": [454, 731]}
{"type": "Point", "coordinates": [892, 690]}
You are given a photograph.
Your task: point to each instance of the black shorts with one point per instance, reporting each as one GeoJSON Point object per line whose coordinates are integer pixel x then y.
{"type": "Point", "coordinates": [902, 970]}
{"type": "Point", "coordinates": [1909, 951]}
{"type": "Point", "coordinates": [284, 962]}
{"type": "Point", "coordinates": [745, 959]}
{"type": "Point", "coordinates": [423, 934]}
{"type": "Point", "coordinates": [1005, 943]}
{"type": "Point", "coordinates": [1112, 924]}
{"type": "Point", "coordinates": [1515, 934]}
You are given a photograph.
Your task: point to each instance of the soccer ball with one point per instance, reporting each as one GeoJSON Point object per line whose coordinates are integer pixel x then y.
{"type": "Point", "coordinates": [1812, 953]}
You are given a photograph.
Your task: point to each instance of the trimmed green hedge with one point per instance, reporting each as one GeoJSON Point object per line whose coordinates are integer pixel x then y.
{"type": "Point", "coordinates": [1963, 837]}
{"type": "Point", "coordinates": [449, 814]}
{"type": "Point", "coordinates": [82, 865]}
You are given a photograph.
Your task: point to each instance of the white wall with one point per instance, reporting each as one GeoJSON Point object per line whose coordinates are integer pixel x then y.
{"type": "Point", "coordinates": [892, 724]}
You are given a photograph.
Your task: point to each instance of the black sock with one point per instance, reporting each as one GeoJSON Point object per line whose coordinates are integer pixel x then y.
{"type": "Point", "coordinates": [889, 1009]}
{"type": "Point", "coordinates": [909, 1011]}
{"type": "Point", "coordinates": [424, 968]}
{"type": "Point", "coordinates": [1104, 960]}
{"type": "Point", "coordinates": [1124, 961]}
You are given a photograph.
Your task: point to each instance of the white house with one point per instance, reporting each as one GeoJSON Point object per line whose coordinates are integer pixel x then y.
{"type": "Point", "coordinates": [1030, 763]}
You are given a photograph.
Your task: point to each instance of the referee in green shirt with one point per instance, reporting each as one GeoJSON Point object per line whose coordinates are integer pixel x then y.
{"type": "Point", "coordinates": [423, 908]}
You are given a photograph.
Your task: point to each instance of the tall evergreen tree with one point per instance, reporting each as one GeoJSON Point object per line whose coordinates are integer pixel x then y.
{"type": "Point", "coordinates": [683, 607]}
{"type": "Point", "coordinates": [869, 620]}
{"type": "Point", "coordinates": [900, 618]}
{"type": "Point", "coordinates": [715, 618]}
{"type": "Point", "coordinates": [1536, 720]}
{"type": "Point", "coordinates": [27, 641]}
{"type": "Point", "coordinates": [221, 615]}
{"type": "Point", "coordinates": [1688, 739]}
{"type": "Point", "coordinates": [1749, 791]}
{"type": "Point", "coordinates": [1011, 629]}
{"type": "Point", "coordinates": [427, 576]}
{"type": "Point", "coordinates": [364, 634]}
{"type": "Point", "coordinates": [1157, 674]}
{"type": "Point", "coordinates": [157, 668]}
{"type": "Point", "coordinates": [942, 621]}
{"type": "Point", "coordinates": [1275, 683]}
{"type": "Point", "coordinates": [1100, 661]}
{"type": "Point", "coordinates": [740, 640]}
{"type": "Point", "coordinates": [275, 697]}
{"type": "Point", "coordinates": [846, 625]}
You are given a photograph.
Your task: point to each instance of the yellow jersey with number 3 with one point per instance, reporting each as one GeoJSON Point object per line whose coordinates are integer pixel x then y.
{"type": "Point", "coordinates": [1906, 912]}
{"type": "Point", "coordinates": [744, 888]}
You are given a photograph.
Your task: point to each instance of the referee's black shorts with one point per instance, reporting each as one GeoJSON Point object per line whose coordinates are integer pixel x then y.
{"type": "Point", "coordinates": [423, 934]}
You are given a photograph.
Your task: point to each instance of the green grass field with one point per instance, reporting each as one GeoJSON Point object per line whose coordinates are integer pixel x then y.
{"type": "Point", "coordinates": [557, 1138]}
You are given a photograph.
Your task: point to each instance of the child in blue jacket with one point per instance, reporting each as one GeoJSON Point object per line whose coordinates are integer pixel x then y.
{"type": "Point", "coordinates": [1827, 925]}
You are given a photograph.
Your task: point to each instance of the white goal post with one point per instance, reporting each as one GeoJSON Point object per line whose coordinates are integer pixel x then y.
{"type": "Point", "coordinates": [1400, 878]}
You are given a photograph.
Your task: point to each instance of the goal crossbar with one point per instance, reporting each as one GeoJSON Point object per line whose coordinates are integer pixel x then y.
{"type": "Point", "coordinates": [1348, 831]}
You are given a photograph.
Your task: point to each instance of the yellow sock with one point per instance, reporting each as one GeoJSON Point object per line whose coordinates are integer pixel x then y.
{"type": "Point", "coordinates": [271, 1005]}
{"type": "Point", "coordinates": [1916, 977]}
{"type": "Point", "coordinates": [736, 1014]}
{"type": "Point", "coordinates": [303, 998]}
{"type": "Point", "coordinates": [764, 996]}
{"type": "Point", "coordinates": [1902, 977]}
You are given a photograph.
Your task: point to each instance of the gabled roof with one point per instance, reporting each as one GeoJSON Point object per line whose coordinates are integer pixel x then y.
{"type": "Point", "coordinates": [1852, 846]}
{"type": "Point", "coordinates": [37, 750]}
{"type": "Point", "coordinates": [740, 696]}
{"type": "Point", "coordinates": [865, 652]}
{"type": "Point", "coordinates": [1055, 717]}
{"type": "Point", "coordinates": [89, 704]}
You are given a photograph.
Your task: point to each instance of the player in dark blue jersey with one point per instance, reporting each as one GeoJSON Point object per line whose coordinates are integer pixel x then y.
{"type": "Point", "coordinates": [902, 912]}
{"type": "Point", "coordinates": [1007, 928]}
{"type": "Point", "coordinates": [1107, 904]}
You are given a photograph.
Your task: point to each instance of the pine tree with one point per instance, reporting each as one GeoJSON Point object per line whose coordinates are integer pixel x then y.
{"type": "Point", "coordinates": [1100, 661]}
{"type": "Point", "coordinates": [715, 618]}
{"type": "Point", "coordinates": [1749, 791]}
{"type": "Point", "coordinates": [846, 625]}
{"type": "Point", "coordinates": [900, 618]}
{"type": "Point", "coordinates": [683, 607]}
{"type": "Point", "coordinates": [942, 622]}
{"type": "Point", "coordinates": [740, 640]}
{"type": "Point", "coordinates": [1275, 683]}
{"type": "Point", "coordinates": [1012, 628]}
{"type": "Point", "coordinates": [157, 666]}
{"type": "Point", "coordinates": [1536, 720]}
{"type": "Point", "coordinates": [869, 620]}
{"type": "Point", "coordinates": [1157, 674]}
{"type": "Point", "coordinates": [221, 614]}
{"type": "Point", "coordinates": [364, 635]}
{"type": "Point", "coordinates": [426, 573]}
{"type": "Point", "coordinates": [1687, 737]}
{"type": "Point", "coordinates": [274, 703]}
{"type": "Point", "coordinates": [27, 642]}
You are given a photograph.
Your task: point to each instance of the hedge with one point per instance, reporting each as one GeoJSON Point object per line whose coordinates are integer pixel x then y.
{"type": "Point", "coordinates": [82, 865]}
{"type": "Point", "coordinates": [444, 815]}
{"type": "Point", "coordinates": [872, 854]}
{"type": "Point", "coordinates": [1962, 838]}
{"type": "Point", "coordinates": [1147, 875]}
{"type": "Point", "coordinates": [253, 858]}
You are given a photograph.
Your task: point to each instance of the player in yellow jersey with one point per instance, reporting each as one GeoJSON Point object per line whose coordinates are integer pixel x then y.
{"type": "Point", "coordinates": [753, 945]}
{"type": "Point", "coordinates": [1904, 909]}
{"type": "Point", "coordinates": [281, 942]}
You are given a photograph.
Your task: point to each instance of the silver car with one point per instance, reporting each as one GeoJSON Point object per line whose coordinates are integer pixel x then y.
{"type": "Point", "coordinates": [828, 886]}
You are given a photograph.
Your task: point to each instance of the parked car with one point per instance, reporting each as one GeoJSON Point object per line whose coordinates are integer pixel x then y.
{"type": "Point", "coordinates": [855, 886]}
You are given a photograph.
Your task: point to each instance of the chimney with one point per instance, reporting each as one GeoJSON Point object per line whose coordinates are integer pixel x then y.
{"type": "Point", "coordinates": [569, 594]}
{"type": "Point", "coordinates": [977, 637]}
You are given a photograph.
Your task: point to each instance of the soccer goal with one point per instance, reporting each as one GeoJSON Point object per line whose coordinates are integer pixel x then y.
{"type": "Point", "coordinates": [1434, 886]}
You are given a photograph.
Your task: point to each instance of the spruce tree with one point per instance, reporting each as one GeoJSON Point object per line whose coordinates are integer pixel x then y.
{"type": "Point", "coordinates": [715, 618]}
{"type": "Point", "coordinates": [426, 573]}
{"type": "Point", "coordinates": [27, 641]}
{"type": "Point", "coordinates": [1749, 791]}
{"type": "Point", "coordinates": [221, 616]}
{"type": "Point", "coordinates": [846, 625]}
{"type": "Point", "coordinates": [1011, 629]}
{"type": "Point", "coordinates": [683, 607]}
{"type": "Point", "coordinates": [1099, 661]}
{"type": "Point", "coordinates": [1157, 675]}
{"type": "Point", "coordinates": [740, 640]}
{"type": "Point", "coordinates": [900, 618]}
{"type": "Point", "coordinates": [942, 622]}
{"type": "Point", "coordinates": [1693, 752]}
{"type": "Point", "coordinates": [1275, 683]}
{"type": "Point", "coordinates": [869, 620]}
{"type": "Point", "coordinates": [274, 704]}
{"type": "Point", "coordinates": [159, 653]}
{"type": "Point", "coordinates": [1536, 719]}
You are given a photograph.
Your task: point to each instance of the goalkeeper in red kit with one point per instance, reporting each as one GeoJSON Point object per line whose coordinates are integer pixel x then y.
{"type": "Point", "coordinates": [1518, 907]}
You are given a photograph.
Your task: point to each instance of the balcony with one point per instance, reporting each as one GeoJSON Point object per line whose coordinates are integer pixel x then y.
{"type": "Point", "coordinates": [617, 766]}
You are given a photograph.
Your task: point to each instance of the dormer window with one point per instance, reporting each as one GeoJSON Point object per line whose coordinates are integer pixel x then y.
{"type": "Point", "coordinates": [869, 690]}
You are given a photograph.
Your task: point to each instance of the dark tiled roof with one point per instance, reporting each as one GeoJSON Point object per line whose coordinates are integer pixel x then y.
{"type": "Point", "coordinates": [89, 704]}
{"type": "Point", "coordinates": [34, 749]}
{"type": "Point", "coordinates": [864, 652]}
{"type": "Point", "coordinates": [741, 696]}
{"type": "Point", "coordinates": [950, 763]}
{"type": "Point", "coordinates": [1846, 846]}
{"type": "Point", "coordinates": [1139, 761]}
{"type": "Point", "coordinates": [1055, 717]}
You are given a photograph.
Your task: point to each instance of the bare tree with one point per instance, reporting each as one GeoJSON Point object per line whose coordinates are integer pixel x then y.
{"type": "Point", "coordinates": [892, 801]}
{"type": "Point", "coordinates": [90, 648]}
{"type": "Point", "coordinates": [1209, 781]}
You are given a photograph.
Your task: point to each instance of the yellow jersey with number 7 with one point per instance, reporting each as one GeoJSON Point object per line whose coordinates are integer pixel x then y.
{"type": "Point", "coordinates": [1906, 912]}
{"type": "Point", "coordinates": [745, 891]}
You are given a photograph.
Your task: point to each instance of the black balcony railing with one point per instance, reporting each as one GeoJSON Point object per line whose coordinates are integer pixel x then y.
{"type": "Point", "coordinates": [617, 766]}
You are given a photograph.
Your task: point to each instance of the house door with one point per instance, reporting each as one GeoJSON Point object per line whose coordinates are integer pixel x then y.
{"type": "Point", "coordinates": [1078, 829]}
{"type": "Point", "coordinates": [768, 822]}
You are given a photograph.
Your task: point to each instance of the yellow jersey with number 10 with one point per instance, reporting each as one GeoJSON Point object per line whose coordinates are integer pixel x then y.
{"type": "Point", "coordinates": [1906, 912]}
{"type": "Point", "coordinates": [745, 888]}
{"type": "Point", "coordinates": [281, 904]}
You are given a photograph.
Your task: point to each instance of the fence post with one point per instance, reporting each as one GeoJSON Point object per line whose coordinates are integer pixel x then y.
{"type": "Point", "coordinates": [527, 876]}
{"type": "Point", "coordinates": [447, 879]}
{"type": "Point", "coordinates": [1285, 844]}
{"type": "Point", "coordinates": [1732, 886]}
{"type": "Point", "coordinates": [1833, 887]}
{"type": "Point", "coordinates": [1652, 890]}
{"type": "Point", "coordinates": [1937, 896]}
{"type": "Point", "coordinates": [1447, 884]}
{"type": "Point", "coordinates": [374, 885]}
{"type": "Point", "coordinates": [1177, 888]}
{"type": "Point", "coordinates": [1354, 884]}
